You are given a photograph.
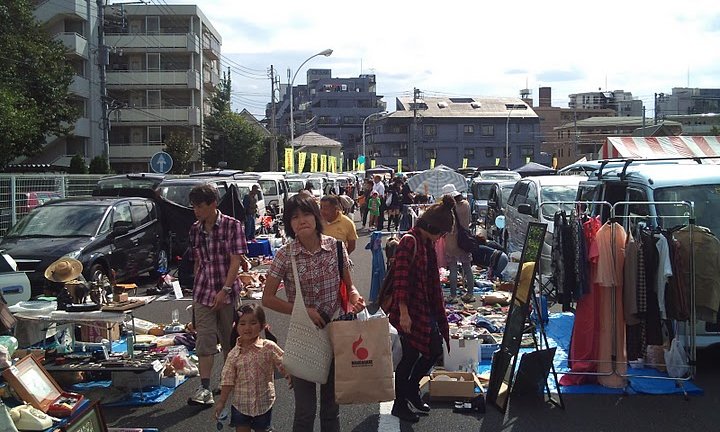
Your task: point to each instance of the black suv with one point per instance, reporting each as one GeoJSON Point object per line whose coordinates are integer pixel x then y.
{"type": "Point", "coordinates": [107, 235]}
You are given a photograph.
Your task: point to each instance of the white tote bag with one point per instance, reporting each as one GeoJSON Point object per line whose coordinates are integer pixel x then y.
{"type": "Point", "coordinates": [308, 352]}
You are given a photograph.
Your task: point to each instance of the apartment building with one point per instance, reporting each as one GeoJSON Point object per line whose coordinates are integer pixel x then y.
{"type": "Point", "coordinates": [452, 129]}
{"type": "Point", "coordinates": [74, 22]}
{"type": "Point", "coordinates": [332, 107]}
{"type": "Point", "coordinates": [619, 100]}
{"type": "Point", "coordinates": [163, 68]}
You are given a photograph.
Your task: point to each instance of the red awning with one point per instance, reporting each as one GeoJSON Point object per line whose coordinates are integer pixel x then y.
{"type": "Point", "coordinates": [661, 147]}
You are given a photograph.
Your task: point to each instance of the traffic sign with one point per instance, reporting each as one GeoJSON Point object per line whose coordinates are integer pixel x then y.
{"type": "Point", "coordinates": [161, 162]}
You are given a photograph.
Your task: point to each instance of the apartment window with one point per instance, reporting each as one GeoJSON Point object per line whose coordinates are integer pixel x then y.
{"type": "Point", "coordinates": [152, 25]}
{"type": "Point", "coordinates": [154, 134]}
{"type": "Point", "coordinates": [430, 154]}
{"type": "Point", "coordinates": [153, 99]}
{"type": "Point", "coordinates": [488, 130]}
{"type": "Point", "coordinates": [469, 153]}
{"type": "Point", "coordinates": [430, 130]}
{"type": "Point", "coordinates": [348, 120]}
{"type": "Point", "coordinates": [395, 129]}
{"type": "Point", "coordinates": [488, 152]}
{"type": "Point", "coordinates": [526, 151]}
{"type": "Point", "coordinates": [469, 129]}
{"type": "Point", "coordinates": [153, 61]}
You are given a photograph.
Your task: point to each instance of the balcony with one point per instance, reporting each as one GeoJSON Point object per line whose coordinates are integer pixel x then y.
{"type": "Point", "coordinates": [134, 152]}
{"type": "Point", "coordinates": [162, 42]}
{"type": "Point", "coordinates": [74, 42]}
{"type": "Point", "coordinates": [82, 127]}
{"type": "Point", "coordinates": [211, 78]}
{"type": "Point", "coordinates": [49, 11]}
{"type": "Point", "coordinates": [187, 115]}
{"type": "Point", "coordinates": [80, 86]}
{"type": "Point", "coordinates": [185, 78]}
{"type": "Point", "coordinates": [211, 49]}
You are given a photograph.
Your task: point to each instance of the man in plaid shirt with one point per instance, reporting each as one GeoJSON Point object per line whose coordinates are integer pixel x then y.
{"type": "Point", "coordinates": [218, 245]}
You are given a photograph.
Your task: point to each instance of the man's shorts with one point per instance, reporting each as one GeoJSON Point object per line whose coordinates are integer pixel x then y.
{"type": "Point", "coordinates": [213, 327]}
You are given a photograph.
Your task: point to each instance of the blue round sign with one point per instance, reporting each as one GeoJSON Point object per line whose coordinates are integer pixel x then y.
{"type": "Point", "coordinates": [161, 163]}
{"type": "Point", "coordinates": [361, 159]}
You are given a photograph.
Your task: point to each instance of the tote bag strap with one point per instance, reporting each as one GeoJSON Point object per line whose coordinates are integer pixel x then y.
{"type": "Point", "coordinates": [298, 289]}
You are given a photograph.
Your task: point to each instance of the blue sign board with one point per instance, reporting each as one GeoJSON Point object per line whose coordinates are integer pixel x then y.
{"type": "Point", "coordinates": [161, 162]}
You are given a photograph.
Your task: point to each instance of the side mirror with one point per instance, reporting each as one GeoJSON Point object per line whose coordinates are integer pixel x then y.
{"type": "Point", "coordinates": [525, 209]}
{"type": "Point", "coordinates": [121, 228]}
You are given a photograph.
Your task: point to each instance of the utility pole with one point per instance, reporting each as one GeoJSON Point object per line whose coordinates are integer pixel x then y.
{"type": "Point", "coordinates": [273, 129]}
{"type": "Point", "coordinates": [103, 60]}
{"type": "Point", "coordinates": [654, 109]}
{"type": "Point", "coordinates": [416, 94]}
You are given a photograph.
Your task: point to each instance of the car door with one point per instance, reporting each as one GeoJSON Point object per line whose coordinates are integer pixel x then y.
{"type": "Point", "coordinates": [512, 216]}
{"type": "Point", "coordinates": [123, 258]}
{"type": "Point", "coordinates": [531, 199]}
{"type": "Point", "coordinates": [147, 234]}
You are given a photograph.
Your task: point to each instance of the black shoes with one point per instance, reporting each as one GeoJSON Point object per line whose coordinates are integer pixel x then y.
{"type": "Point", "coordinates": [418, 403]}
{"type": "Point", "coordinates": [401, 411]}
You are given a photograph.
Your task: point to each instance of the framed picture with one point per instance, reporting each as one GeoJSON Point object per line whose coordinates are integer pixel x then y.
{"type": "Point", "coordinates": [89, 420]}
{"type": "Point", "coordinates": [32, 383]}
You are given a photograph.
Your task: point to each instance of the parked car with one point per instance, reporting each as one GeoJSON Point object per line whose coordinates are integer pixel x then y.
{"type": "Point", "coordinates": [497, 201]}
{"type": "Point", "coordinates": [129, 181]}
{"type": "Point", "coordinates": [481, 191]}
{"type": "Point", "coordinates": [644, 187]}
{"type": "Point", "coordinates": [498, 175]}
{"type": "Point", "coordinates": [27, 201]}
{"type": "Point", "coordinates": [106, 234]}
{"type": "Point", "coordinates": [525, 204]}
{"type": "Point", "coordinates": [14, 284]}
{"type": "Point", "coordinates": [295, 185]}
{"type": "Point", "coordinates": [273, 186]}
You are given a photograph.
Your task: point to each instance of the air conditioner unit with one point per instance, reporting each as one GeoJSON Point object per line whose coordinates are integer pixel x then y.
{"type": "Point", "coordinates": [136, 136]}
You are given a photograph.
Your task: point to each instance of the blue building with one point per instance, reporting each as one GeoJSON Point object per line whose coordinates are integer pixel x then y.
{"type": "Point", "coordinates": [449, 129]}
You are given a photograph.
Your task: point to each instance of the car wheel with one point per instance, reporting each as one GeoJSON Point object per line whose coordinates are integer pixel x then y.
{"type": "Point", "coordinates": [99, 275]}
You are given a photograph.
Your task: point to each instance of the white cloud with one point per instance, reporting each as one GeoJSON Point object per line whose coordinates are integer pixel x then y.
{"type": "Point", "coordinates": [473, 48]}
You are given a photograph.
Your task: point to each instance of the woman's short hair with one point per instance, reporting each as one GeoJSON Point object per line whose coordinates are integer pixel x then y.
{"type": "Point", "coordinates": [306, 204]}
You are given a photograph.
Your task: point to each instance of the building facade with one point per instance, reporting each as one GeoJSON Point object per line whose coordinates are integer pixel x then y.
{"type": "Point", "coordinates": [163, 68]}
{"type": "Point", "coordinates": [686, 104]}
{"type": "Point", "coordinates": [452, 129]}
{"type": "Point", "coordinates": [332, 107]}
{"type": "Point", "coordinates": [619, 100]}
{"type": "Point", "coordinates": [74, 22]}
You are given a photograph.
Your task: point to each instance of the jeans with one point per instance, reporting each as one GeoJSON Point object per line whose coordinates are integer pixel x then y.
{"type": "Point", "coordinates": [467, 274]}
{"type": "Point", "coordinates": [250, 227]}
{"type": "Point", "coordinates": [306, 405]}
{"type": "Point", "coordinates": [413, 365]}
{"type": "Point", "coordinates": [405, 218]}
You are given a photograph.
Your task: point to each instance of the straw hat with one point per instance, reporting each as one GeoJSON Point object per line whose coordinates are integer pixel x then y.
{"type": "Point", "coordinates": [63, 270]}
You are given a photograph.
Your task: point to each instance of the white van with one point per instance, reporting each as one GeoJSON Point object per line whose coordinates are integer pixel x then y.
{"type": "Point", "coordinates": [273, 187]}
{"type": "Point", "coordinates": [244, 187]}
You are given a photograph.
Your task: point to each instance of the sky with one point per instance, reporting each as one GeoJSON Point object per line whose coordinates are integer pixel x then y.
{"type": "Point", "coordinates": [471, 48]}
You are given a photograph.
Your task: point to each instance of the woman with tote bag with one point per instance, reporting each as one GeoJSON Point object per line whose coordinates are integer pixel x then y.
{"type": "Point", "coordinates": [305, 261]}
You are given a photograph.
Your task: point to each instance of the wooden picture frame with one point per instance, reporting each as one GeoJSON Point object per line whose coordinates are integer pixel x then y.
{"type": "Point", "coordinates": [91, 419]}
{"type": "Point", "coordinates": [32, 383]}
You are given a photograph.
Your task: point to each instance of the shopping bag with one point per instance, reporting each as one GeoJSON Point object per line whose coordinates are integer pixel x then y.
{"type": "Point", "coordinates": [363, 361]}
{"type": "Point", "coordinates": [396, 345]}
{"type": "Point", "coordinates": [677, 360]}
{"type": "Point", "coordinates": [308, 353]}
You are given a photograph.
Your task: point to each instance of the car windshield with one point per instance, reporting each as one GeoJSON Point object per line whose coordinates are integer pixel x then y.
{"type": "Point", "coordinates": [124, 182]}
{"type": "Point", "coordinates": [269, 187]}
{"type": "Point", "coordinates": [506, 191]}
{"type": "Point", "coordinates": [555, 194]}
{"type": "Point", "coordinates": [509, 175]}
{"type": "Point", "coordinates": [705, 197]}
{"type": "Point", "coordinates": [481, 191]}
{"type": "Point", "coordinates": [295, 186]}
{"type": "Point", "coordinates": [177, 193]}
{"type": "Point", "coordinates": [60, 221]}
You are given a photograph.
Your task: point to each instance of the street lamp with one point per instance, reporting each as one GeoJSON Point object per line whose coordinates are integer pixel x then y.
{"type": "Point", "coordinates": [363, 128]}
{"type": "Point", "coordinates": [510, 108]}
{"type": "Point", "coordinates": [325, 53]}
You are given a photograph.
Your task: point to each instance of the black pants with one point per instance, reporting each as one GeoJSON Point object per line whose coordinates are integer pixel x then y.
{"type": "Point", "coordinates": [413, 365]}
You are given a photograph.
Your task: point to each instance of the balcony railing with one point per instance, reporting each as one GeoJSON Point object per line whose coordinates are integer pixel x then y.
{"type": "Point", "coordinates": [53, 10]}
{"type": "Point", "coordinates": [211, 49]}
{"type": "Point", "coordinates": [76, 43]}
{"type": "Point", "coordinates": [189, 78]}
{"type": "Point", "coordinates": [190, 115]}
{"type": "Point", "coordinates": [184, 41]}
{"type": "Point", "coordinates": [134, 152]}
{"type": "Point", "coordinates": [80, 86]}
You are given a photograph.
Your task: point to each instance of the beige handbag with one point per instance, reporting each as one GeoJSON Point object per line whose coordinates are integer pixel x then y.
{"type": "Point", "coordinates": [308, 352]}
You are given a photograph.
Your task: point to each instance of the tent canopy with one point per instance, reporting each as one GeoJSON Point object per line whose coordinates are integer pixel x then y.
{"type": "Point", "coordinates": [661, 147]}
{"type": "Point", "coordinates": [534, 168]}
{"type": "Point", "coordinates": [379, 169]}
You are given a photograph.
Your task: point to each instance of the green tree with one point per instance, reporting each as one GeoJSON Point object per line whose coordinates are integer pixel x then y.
{"type": "Point", "coordinates": [264, 162]}
{"type": "Point", "coordinates": [77, 165]}
{"type": "Point", "coordinates": [229, 137]}
{"type": "Point", "coordinates": [715, 131]}
{"type": "Point", "coordinates": [99, 165]}
{"type": "Point", "coordinates": [34, 80]}
{"type": "Point", "coordinates": [181, 149]}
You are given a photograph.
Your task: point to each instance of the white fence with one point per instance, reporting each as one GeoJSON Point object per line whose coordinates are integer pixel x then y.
{"type": "Point", "coordinates": [20, 193]}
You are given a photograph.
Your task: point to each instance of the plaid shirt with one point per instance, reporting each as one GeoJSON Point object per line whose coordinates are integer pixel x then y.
{"type": "Point", "coordinates": [417, 284]}
{"type": "Point", "coordinates": [318, 273]}
{"type": "Point", "coordinates": [213, 250]}
{"type": "Point", "coordinates": [250, 371]}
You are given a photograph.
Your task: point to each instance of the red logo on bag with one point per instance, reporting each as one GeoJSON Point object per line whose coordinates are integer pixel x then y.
{"type": "Point", "coordinates": [359, 351]}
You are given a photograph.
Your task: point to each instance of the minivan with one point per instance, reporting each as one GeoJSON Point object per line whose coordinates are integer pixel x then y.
{"type": "Point", "coordinates": [643, 186]}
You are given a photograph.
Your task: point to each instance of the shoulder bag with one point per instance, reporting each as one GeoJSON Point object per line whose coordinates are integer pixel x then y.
{"type": "Point", "coordinates": [465, 240]}
{"type": "Point", "coordinates": [344, 295]}
{"type": "Point", "coordinates": [308, 352]}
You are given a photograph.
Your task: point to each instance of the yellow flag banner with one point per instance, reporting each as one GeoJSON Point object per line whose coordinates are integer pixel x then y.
{"type": "Point", "coordinates": [372, 163]}
{"type": "Point", "coordinates": [432, 163]}
{"type": "Point", "coordinates": [340, 167]}
{"type": "Point", "coordinates": [497, 161]}
{"type": "Point", "coordinates": [465, 162]}
{"type": "Point", "coordinates": [354, 164]}
{"type": "Point", "coordinates": [361, 166]}
{"type": "Point", "coordinates": [323, 163]}
{"type": "Point", "coordinates": [399, 166]}
{"type": "Point", "coordinates": [313, 162]}
{"type": "Point", "coordinates": [527, 160]}
{"type": "Point", "coordinates": [332, 164]}
{"type": "Point", "coordinates": [289, 159]}
{"type": "Point", "coordinates": [301, 161]}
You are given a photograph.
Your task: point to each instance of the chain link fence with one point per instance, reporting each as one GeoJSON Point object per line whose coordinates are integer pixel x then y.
{"type": "Point", "coordinates": [20, 193]}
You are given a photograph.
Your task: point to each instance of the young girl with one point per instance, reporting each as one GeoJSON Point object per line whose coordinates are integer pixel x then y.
{"type": "Point", "coordinates": [248, 371]}
{"type": "Point", "coordinates": [374, 209]}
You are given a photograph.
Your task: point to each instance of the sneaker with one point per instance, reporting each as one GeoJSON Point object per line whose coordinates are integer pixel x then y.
{"type": "Point", "coordinates": [468, 298]}
{"type": "Point", "coordinates": [451, 300]}
{"type": "Point", "coordinates": [202, 397]}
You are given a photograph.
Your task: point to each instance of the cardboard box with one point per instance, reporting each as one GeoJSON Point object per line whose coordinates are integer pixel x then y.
{"type": "Point", "coordinates": [454, 390]}
{"type": "Point", "coordinates": [99, 331]}
{"type": "Point", "coordinates": [462, 352]}
{"type": "Point", "coordinates": [139, 380]}
{"type": "Point", "coordinates": [172, 381]}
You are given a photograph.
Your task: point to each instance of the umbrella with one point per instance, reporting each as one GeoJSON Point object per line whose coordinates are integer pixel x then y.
{"type": "Point", "coordinates": [435, 179]}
